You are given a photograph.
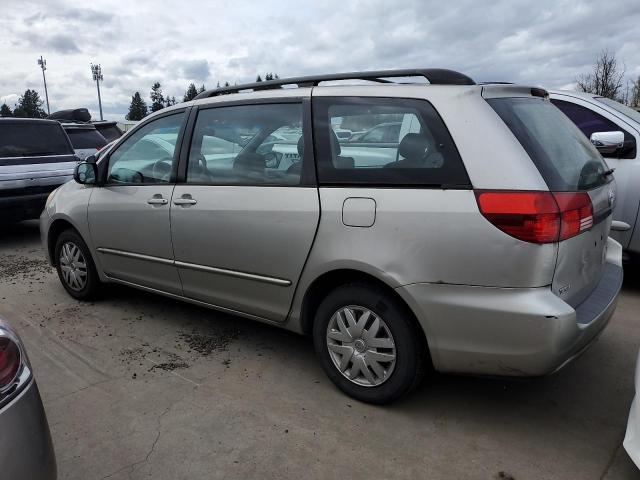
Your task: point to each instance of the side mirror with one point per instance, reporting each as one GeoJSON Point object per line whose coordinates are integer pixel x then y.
{"type": "Point", "coordinates": [91, 159]}
{"type": "Point", "coordinates": [86, 173]}
{"type": "Point", "coordinates": [607, 142]}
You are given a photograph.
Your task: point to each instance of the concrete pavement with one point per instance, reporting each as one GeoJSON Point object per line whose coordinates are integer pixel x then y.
{"type": "Point", "coordinates": [139, 386]}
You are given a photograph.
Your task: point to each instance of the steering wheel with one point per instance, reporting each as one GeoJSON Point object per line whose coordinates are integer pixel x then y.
{"type": "Point", "coordinates": [161, 169]}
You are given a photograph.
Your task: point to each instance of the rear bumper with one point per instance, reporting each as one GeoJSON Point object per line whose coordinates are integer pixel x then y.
{"type": "Point", "coordinates": [511, 331]}
{"type": "Point", "coordinates": [26, 450]}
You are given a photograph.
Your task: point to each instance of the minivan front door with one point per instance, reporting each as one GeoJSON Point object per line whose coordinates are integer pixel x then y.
{"type": "Point", "coordinates": [129, 215]}
{"type": "Point", "coordinates": [244, 220]}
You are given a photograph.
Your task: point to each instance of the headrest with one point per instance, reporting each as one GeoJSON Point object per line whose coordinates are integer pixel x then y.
{"type": "Point", "coordinates": [414, 146]}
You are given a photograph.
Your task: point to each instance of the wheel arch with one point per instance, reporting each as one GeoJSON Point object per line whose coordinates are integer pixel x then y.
{"type": "Point", "coordinates": [332, 279]}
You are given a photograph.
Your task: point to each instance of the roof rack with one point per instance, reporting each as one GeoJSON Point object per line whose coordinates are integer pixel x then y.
{"type": "Point", "coordinates": [435, 76]}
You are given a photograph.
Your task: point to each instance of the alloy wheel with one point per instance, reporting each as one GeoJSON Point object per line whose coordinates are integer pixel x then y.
{"type": "Point", "coordinates": [361, 346]}
{"type": "Point", "coordinates": [73, 266]}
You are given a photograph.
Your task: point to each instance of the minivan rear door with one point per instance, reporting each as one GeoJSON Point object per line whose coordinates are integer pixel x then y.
{"type": "Point", "coordinates": [571, 167]}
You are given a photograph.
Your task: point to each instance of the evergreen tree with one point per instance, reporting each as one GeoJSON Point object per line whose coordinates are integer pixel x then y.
{"type": "Point", "coordinates": [218, 84]}
{"type": "Point", "coordinates": [201, 89]}
{"type": "Point", "coordinates": [31, 105]}
{"type": "Point", "coordinates": [138, 108]}
{"type": "Point", "coordinates": [226, 84]}
{"type": "Point", "coordinates": [268, 76]}
{"type": "Point", "coordinates": [258, 78]}
{"type": "Point", "coordinates": [5, 111]}
{"type": "Point", "coordinates": [157, 99]}
{"type": "Point", "coordinates": [191, 93]}
{"type": "Point", "coordinates": [19, 112]}
{"type": "Point", "coordinates": [170, 101]}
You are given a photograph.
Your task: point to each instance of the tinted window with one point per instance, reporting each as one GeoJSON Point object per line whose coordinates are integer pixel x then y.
{"type": "Point", "coordinates": [32, 139]}
{"type": "Point", "coordinates": [109, 132]}
{"type": "Point", "coordinates": [589, 122]}
{"type": "Point", "coordinates": [148, 155]}
{"type": "Point", "coordinates": [407, 143]}
{"type": "Point", "coordinates": [247, 145]}
{"type": "Point", "coordinates": [85, 138]}
{"type": "Point", "coordinates": [564, 156]}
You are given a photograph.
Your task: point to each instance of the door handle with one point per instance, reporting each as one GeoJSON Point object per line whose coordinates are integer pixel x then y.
{"type": "Point", "coordinates": [157, 200]}
{"type": "Point", "coordinates": [185, 200]}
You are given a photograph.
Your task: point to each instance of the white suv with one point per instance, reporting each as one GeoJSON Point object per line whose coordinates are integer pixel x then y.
{"type": "Point", "coordinates": [614, 129]}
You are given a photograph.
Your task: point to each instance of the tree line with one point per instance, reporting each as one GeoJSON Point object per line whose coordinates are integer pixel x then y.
{"type": "Point", "coordinates": [138, 109]}
{"type": "Point", "coordinates": [607, 80]}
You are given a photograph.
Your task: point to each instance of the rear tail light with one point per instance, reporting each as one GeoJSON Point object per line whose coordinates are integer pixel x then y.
{"type": "Point", "coordinates": [537, 217]}
{"type": "Point", "coordinates": [10, 361]}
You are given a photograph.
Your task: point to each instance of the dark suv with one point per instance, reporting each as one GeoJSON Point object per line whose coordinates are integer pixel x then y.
{"type": "Point", "coordinates": [36, 157]}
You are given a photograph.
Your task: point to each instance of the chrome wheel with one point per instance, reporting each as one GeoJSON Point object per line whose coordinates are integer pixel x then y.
{"type": "Point", "coordinates": [73, 266]}
{"type": "Point", "coordinates": [361, 346]}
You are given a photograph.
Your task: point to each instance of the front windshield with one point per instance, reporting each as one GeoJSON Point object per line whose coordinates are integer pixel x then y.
{"type": "Point", "coordinates": [628, 111]}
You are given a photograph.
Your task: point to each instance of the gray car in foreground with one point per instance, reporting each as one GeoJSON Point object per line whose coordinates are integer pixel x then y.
{"type": "Point", "coordinates": [474, 241]}
{"type": "Point", "coordinates": [26, 451]}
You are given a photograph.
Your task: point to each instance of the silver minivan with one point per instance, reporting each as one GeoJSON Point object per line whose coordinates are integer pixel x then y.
{"type": "Point", "coordinates": [475, 241]}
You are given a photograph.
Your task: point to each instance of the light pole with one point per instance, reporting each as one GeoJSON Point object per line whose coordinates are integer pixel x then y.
{"type": "Point", "coordinates": [43, 65]}
{"type": "Point", "coordinates": [96, 70]}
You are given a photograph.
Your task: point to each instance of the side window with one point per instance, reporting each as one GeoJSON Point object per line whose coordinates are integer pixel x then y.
{"type": "Point", "coordinates": [585, 119]}
{"type": "Point", "coordinates": [405, 142]}
{"type": "Point", "coordinates": [589, 122]}
{"type": "Point", "coordinates": [247, 145]}
{"type": "Point", "coordinates": [148, 155]}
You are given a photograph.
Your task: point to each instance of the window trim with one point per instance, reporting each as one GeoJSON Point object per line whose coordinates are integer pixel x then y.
{"type": "Point", "coordinates": [308, 172]}
{"type": "Point", "coordinates": [103, 172]}
{"type": "Point", "coordinates": [320, 116]}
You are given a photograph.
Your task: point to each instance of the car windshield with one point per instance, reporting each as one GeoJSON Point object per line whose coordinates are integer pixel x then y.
{"type": "Point", "coordinates": [623, 109]}
{"type": "Point", "coordinates": [565, 158]}
{"type": "Point", "coordinates": [33, 139]}
{"type": "Point", "coordinates": [82, 138]}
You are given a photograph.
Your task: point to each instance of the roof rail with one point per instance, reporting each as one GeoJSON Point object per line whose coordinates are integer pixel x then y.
{"type": "Point", "coordinates": [435, 76]}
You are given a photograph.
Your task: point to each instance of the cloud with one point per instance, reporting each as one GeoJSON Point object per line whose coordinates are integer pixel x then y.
{"type": "Point", "coordinates": [197, 70]}
{"type": "Point", "coordinates": [547, 43]}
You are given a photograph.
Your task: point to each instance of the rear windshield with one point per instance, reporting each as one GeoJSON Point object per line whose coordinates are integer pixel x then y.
{"type": "Point", "coordinates": [85, 138]}
{"type": "Point", "coordinates": [32, 139]}
{"type": "Point", "coordinates": [109, 132]}
{"type": "Point", "coordinates": [564, 156]}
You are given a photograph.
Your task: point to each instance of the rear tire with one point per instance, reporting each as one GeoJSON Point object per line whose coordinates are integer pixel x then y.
{"type": "Point", "coordinates": [368, 344]}
{"type": "Point", "coordinates": [75, 266]}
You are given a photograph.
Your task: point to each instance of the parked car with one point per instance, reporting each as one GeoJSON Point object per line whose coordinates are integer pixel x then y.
{"type": "Point", "coordinates": [615, 131]}
{"type": "Point", "coordinates": [480, 247]}
{"type": "Point", "coordinates": [36, 157]}
{"type": "Point", "coordinates": [85, 138]}
{"type": "Point", "coordinates": [382, 133]}
{"type": "Point", "coordinates": [26, 450]}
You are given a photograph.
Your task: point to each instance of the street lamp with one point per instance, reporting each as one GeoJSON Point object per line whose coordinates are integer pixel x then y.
{"type": "Point", "coordinates": [96, 70]}
{"type": "Point", "coordinates": [43, 65]}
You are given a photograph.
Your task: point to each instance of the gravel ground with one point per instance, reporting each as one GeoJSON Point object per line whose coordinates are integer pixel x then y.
{"type": "Point", "coordinates": [139, 386]}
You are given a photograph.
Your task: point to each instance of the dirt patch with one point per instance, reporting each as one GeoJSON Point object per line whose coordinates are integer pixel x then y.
{"type": "Point", "coordinates": [206, 344]}
{"type": "Point", "coordinates": [18, 266]}
{"type": "Point", "coordinates": [169, 366]}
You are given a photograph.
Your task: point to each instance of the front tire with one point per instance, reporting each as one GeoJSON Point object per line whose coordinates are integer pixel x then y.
{"type": "Point", "coordinates": [368, 343]}
{"type": "Point", "coordinates": [75, 267]}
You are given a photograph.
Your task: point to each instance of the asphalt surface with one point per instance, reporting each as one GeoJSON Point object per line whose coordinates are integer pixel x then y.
{"type": "Point", "coordinates": [139, 386]}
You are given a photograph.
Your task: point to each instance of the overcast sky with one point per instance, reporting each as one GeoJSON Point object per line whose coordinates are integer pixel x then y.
{"type": "Point", "coordinates": [138, 42]}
